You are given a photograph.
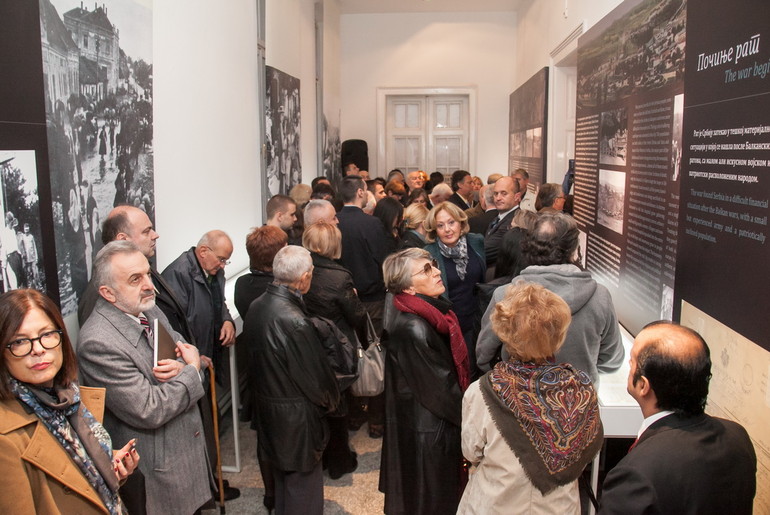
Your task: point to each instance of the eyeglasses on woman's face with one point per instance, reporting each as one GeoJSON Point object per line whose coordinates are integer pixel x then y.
{"type": "Point", "coordinates": [428, 268]}
{"type": "Point", "coordinates": [23, 346]}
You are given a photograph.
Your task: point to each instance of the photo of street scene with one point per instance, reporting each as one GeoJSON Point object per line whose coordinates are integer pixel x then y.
{"type": "Point", "coordinates": [613, 137]}
{"type": "Point", "coordinates": [639, 51]}
{"type": "Point", "coordinates": [97, 65]}
{"type": "Point", "coordinates": [282, 131]}
{"type": "Point", "coordinates": [21, 253]}
{"type": "Point", "coordinates": [612, 196]}
{"type": "Point", "coordinates": [676, 137]}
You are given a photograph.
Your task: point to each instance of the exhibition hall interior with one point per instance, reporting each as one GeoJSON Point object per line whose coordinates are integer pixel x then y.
{"type": "Point", "coordinates": [648, 119]}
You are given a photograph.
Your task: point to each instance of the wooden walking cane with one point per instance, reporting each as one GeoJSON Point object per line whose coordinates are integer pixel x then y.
{"type": "Point", "coordinates": [215, 414]}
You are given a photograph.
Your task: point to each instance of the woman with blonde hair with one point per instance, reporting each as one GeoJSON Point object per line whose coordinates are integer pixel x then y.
{"type": "Point", "coordinates": [333, 296]}
{"type": "Point", "coordinates": [414, 226]}
{"type": "Point", "coordinates": [461, 259]}
{"type": "Point", "coordinates": [530, 425]}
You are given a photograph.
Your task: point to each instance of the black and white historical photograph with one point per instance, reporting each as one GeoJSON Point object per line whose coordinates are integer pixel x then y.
{"type": "Point", "coordinates": [282, 132]}
{"type": "Point", "coordinates": [613, 137]}
{"type": "Point", "coordinates": [332, 152]}
{"type": "Point", "coordinates": [676, 137]}
{"type": "Point", "coordinates": [640, 50]}
{"type": "Point", "coordinates": [97, 65]}
{"type": "Point", "coordinates": [612, 196]}
{"type": "Point", "coordinates": [527, 122]}
{"type": "Point", "coordinates": [21, 252]}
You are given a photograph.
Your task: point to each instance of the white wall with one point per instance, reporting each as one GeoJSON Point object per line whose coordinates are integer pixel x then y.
{"type": "Point", "coordinates": [542, 27]}
{"type": "Point", "coordinates": [290, 47]}
{"type": "Point", "coordinates": [205, 109]}
{"type": "Point", "coordinates": [430, 50]}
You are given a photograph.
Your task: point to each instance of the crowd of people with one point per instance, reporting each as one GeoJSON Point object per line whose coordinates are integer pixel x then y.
{"type": "Point", "coordinates": [494, 340]}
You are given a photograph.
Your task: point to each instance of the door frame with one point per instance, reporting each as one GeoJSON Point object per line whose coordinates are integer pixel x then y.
{"type": "Point", "coordinates": [384, 93]}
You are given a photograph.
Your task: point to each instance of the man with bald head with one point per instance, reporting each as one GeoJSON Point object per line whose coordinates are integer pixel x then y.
{"type": "Point", "coordinates": [129, 223]}
{"type": "Point", "coordinates": [320, 210]}
{"type": "Point", "coordinates": [506, 197]}
{"type": "Point", "coordinates": [198, 278]}
{"type": "Point", "coordinates": [683, 461]}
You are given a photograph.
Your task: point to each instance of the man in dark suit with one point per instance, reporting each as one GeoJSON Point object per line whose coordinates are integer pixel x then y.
{"type": "Point", "coordinates": [462, 186]}
{"type": "Point", "coordinates": [684, 461]}
{"type": "Point", "coordinates": [364, 248]}
{"type": "Point", "coordinates": [132, 224]}
{"type": "Point", "coordinates": [507, 197]}
{"type": "Point", "coordinates": [481, 216]}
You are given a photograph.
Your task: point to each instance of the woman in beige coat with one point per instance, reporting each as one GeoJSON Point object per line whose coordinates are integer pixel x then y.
{"type": "Point", "coordinates": [55, 456]}
{"type": "Point", "coordinates": [530, 425]}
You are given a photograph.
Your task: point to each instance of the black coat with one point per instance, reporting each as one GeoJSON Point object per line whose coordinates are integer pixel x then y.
{"type": "Point", "coordinates": [480, 223]}
{"type": "Point", "coordinates": [295, 386]}
{"type": "Point", "coordinates": [364, 247]}
{"type": "Point", "coordinates": [421, 452]}
{"type": "Point", "coordinates": [333, 296]}
{"type": "Point", "coordinates": [685, 465]}
{"type": "Point", "coordinates": [494, 237]}
{"type": "Point", "coordinates": [248, 287]}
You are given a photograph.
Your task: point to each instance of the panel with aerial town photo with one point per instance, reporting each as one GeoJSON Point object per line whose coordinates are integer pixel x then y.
{"type": "Point", "coordinates": [97, 66]}
{"type": "Point", "coordinates": [641, 50]}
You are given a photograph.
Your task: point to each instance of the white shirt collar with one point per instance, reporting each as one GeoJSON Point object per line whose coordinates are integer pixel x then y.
{"type": "Point", "coordinates": [652, 419]}
{"type": "Point", "coordinates": [135, 319]}
{"type": "Point", "coordinates": [500, 216]}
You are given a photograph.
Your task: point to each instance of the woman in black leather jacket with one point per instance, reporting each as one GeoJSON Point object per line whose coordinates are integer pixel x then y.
{"type": "Point", "coordinates": [426, 373]}
{"type": "Point", "coordinates": [333, 296]}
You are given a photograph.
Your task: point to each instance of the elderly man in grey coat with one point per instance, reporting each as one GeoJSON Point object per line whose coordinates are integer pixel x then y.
{"type": "Point", "coordinates": [153, 402]}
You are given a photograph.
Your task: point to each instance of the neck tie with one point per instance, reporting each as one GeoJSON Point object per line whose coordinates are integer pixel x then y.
{"type": "Point", "coordinates": [146, 328]}
{"type": "Point", "coordinates": [494, 224]}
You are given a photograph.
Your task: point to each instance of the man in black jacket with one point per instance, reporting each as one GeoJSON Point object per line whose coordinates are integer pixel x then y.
{"type": "Point", "coordinates": [295, 386]}
{"type": "Point", "coordinates": [132, 224]}
{"type": "Point", "coordinates": [364, 247]}
{"type": "Point", "coordinates": [684, 461]}
{"type": "Point", "coordinates": [506, 197]}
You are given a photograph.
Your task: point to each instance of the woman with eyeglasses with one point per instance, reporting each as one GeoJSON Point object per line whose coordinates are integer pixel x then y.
{"type": "Point", "coordinates": [55, 456]}
{"type": "Point", "coordinates": [461, 258]}
{"type": "Point", "coordinates": [426, 373]}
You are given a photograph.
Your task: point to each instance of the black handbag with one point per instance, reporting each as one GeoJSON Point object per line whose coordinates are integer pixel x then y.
{"type": "Point", "coordinates": [339, 351]}
{"type": "Point", "coordinates": [371, 365]}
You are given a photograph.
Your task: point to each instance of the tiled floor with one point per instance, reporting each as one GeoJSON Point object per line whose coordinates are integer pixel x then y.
{"type": "Point", "coordinates": [355, 494]}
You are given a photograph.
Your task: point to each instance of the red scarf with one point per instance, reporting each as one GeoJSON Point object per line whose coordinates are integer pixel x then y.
{"type": "Point", "coordinates": [444, 324]}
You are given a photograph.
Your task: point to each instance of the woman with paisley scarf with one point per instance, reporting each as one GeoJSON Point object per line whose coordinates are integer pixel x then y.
{"type": "Point", "coordinates": [426, 373]}
{"type": "Point", "coordinates": [530, 425]}
{"type": "Point", "coordinates": [55, 456]}
{"type": "Point", "coordinates": [462, 261]}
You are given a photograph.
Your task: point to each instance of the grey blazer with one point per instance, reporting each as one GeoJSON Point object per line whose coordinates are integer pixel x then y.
{"type": "Point", "coordinates": [113, 353]}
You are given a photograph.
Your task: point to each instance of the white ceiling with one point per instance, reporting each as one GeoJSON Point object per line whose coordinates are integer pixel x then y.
{"type": "Point", "coordinates": [425, 6]}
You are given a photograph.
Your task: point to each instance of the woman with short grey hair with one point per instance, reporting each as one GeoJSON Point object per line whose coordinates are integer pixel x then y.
{"type": "Point", "coordinates": [426, 373]}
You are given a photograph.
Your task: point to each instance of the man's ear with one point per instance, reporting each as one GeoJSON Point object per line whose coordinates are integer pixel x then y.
{"type": "Point", "coordinates": [645, 388]}
{"type": "Point", "coordinates": [121, 236]}
{"type": "Point", "coordinates": [107, 293]}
